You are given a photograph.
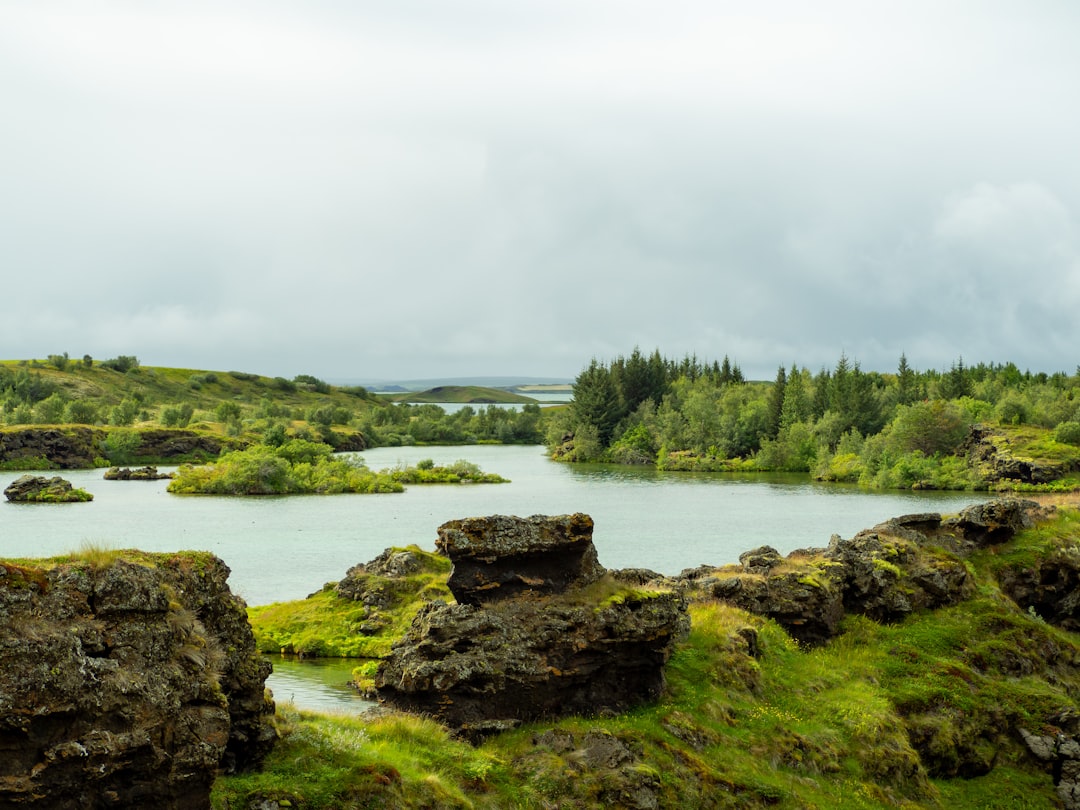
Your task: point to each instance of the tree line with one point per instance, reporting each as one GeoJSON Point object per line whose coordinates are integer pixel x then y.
{"type": "Point", "coordinates": [881, 429]}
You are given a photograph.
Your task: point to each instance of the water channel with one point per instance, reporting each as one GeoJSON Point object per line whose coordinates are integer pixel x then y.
{"type": "Point", "coordinates": [284, 548]}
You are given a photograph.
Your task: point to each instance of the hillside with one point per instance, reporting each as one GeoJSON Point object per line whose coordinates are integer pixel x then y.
{"type": "Point", "coordinates": [467, 394]}
{"type": "Point", "coordinates": [66, 413]}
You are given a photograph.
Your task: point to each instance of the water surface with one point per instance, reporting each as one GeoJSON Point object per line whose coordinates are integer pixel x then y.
{"type": "Point", "coordinates": [284, 548]}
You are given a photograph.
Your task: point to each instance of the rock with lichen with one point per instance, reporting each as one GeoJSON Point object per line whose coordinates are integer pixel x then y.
{"type": "Point", "coordinates": [126, 680]}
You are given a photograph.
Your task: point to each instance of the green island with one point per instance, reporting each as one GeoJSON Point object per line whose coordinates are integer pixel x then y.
{"type": "Point", "coordinates": [926, 711]}
{"type": "Point", "coordinates": [301, 467]}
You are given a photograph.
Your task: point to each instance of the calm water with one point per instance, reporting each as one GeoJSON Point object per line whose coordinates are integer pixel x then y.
{"type": "Point", "coordinates": [315, 683]}
{"type": "Point", "coordinates": [286, 548]}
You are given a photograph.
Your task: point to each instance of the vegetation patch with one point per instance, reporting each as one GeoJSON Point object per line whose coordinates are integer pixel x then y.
{"type": "Point", "coordinates": [920, 713]}
{"type": "Point", "coordinates": [327, 624]}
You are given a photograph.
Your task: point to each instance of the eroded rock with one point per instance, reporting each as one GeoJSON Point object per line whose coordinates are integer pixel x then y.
{"type": "Point", "coordinates": [126, 681]}
{"type": "Point", "coordinates": [559, 638]}
{"type": "Point", "coordinates": [902, 565]}
{"type": "Point", "coordinates": [39, 489]}
{"type": "Point", "coordinates": [499, 557]}
{"type": "Point", "coordinates": [148, 473]}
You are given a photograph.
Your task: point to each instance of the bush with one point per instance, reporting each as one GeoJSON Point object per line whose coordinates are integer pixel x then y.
{"type": "Point", "coordinates": [1068, 433]}
{"type": "Point", "coordinates": [121, 446]}
{"type": "Point", "coordinates": [928, 428]}
{"type": "Point", "coordinates": [124, 363]}
{"type": "Point", "coordinates": [81, 411]}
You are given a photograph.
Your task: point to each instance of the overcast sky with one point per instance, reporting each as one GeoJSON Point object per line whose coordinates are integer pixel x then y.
{"type": "Point", "coordinates": [399, 190]}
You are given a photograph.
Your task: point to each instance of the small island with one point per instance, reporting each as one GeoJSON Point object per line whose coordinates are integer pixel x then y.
{"type": "Point", "coordinates": [302, 467]}
{"type": "Point", "coordinates": [39, 489]}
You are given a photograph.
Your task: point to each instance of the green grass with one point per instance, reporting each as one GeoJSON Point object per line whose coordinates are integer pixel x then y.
{"type": "Point", "coordinates": [919, 714]}
{"type": "Point", "coordinates": [325, 624]}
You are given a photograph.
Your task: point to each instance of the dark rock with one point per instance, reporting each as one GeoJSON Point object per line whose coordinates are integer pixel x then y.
{"type": "Point", "coordinates": [499, 557]}
{"type": "Point", "coordinates": [905, 564]}
{"type": "Point", "coordinates": [888, 573]}
{"type": "Point", "coordinates": [362, 582]}
{"type": "Point", "coordinates": [177, 442]}
{"type": "Point", "coordinates": [997, 464]}
{"type": "Point", "coordinates": [147, 473]}
{"type": "Point", "coordinates": [126, 683]}
{"type": "Point", "coordinates": [483, 669]}
{"type": "Point", "coordinates": [1058, 747]}
{"type": "Point", "coordinates": [760, 560]}
{"type": "Point", "coordinates": [808, 602]}
{"type": "Point", "coordinates": [549, 645]}
{"type": "Point", "coordinates": [993, 522]}
{"type": "Point", "coordinates": [39, 489]}
{"type": "Point", "coordinates": [68, 448]}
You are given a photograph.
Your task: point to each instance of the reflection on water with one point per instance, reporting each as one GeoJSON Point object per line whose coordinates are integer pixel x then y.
{"type": "Point", "coordinates": [316, 684]}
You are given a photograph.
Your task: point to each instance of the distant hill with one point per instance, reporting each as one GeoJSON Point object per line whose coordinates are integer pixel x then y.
{"type": "Point", "coordinates": [472, 394]}
{"type": "Point", "coordinates": [483, 382]}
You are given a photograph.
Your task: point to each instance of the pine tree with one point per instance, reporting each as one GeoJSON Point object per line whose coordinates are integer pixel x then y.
{"type": "Point", "coordinates": [776, 402]}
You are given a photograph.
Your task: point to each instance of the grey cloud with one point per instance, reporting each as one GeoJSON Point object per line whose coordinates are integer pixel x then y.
{"type": "Point", "coordinates": [418, 189]}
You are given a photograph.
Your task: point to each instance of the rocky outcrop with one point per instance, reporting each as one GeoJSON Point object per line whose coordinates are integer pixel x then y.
{"type": "Point", "coordinates": [1057, 745]}
{"type": "Point", "coordinates": [538, 641]}
{"type": "Point", "coordinates": [39, 489]}
{"type": "Point", "coordinates": [126, 680]}
{"type": "Point", "coordinates": [68, 448]}
{"type": "Point", "coordinates": [186, 444]}
{"type": "Point", "coordinates": [995, 463]}
{"type": "Point", "coordinates": [148, 473]}
{"type": "Point", "coordinates": [887, 572]}
{"type": "Point", "coordinates": [499, 557]}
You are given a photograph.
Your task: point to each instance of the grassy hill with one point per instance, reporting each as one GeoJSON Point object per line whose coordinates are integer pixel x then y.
{"type": "Point", "coordinates": [470, 394]}
{"type": "Point", "coordinates": [64, 414]}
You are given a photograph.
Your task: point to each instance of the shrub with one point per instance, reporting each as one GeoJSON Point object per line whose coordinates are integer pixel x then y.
{"type": "Point", "coordinates": [1068, 433]}
{"type": "Point", "coordinates": [124, 363]}
{"type": "Point", "coordinates": [81, 411]}
{"type": "Point", "coordinates": [121, 446]}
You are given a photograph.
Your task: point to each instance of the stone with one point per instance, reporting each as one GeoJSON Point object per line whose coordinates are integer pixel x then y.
{"type": "Point", "coordinates": [148, 473]}
{"type": "Point", "coordinates": [500, 556]}
{"type": "Point", "coordinates": [905, 564]}
{"type": "Point", "coordinates": [126, 681]}
{"type": "Point", "coordinates": [537, 631]}
{"type": "Point", "coordinates": [39, 489]}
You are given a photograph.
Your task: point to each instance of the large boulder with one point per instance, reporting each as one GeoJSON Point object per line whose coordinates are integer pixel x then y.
{"type": "Point", "coordinates": [559, 637]}
{"type": "Point", "coordinates": [126, 680]}
{"type": "Point", "coordinates": [499, 557]}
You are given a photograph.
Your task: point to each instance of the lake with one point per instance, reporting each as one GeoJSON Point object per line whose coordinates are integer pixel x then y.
{"type": "Point", "coordinates": [284, 548]}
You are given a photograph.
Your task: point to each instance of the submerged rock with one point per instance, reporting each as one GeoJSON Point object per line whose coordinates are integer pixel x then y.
{"type": "Point", "coordinates": [558, 637]}
{"type": "Point", "coordinates": [39, 489]}
{"type": "Point", "coordinates": [126, 680]}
